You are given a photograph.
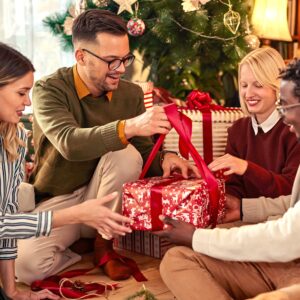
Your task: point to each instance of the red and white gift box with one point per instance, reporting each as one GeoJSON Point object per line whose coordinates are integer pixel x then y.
{"type": "Point", "coordinates": [197, 201]}
{"type": "Point", "coordinates": [183, 199]}
{"type": "Point", "coordinates": [209, 126]}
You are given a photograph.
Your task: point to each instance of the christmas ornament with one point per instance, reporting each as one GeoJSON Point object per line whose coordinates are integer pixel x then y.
{"type": "Point", "coordinates": [232, 20]}
{"type": "Point", "coordinates": [125, 5]}
{"type": "Point", "coordinates": [80, 6]}
{"type": "Point", "coordinates": [136, 27]}
{"type": "Point", "coordinates": [252, 40]}
{"type": "Point", "coordinates": [69, 20]}
{"type": "Point", "coordinates": [192, 5]}
{"type": "Point", "coordinates": [101, 3]}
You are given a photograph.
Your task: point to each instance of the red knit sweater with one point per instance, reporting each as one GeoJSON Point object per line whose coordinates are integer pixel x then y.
{"type": "Point", "coordinates": [273, 159]}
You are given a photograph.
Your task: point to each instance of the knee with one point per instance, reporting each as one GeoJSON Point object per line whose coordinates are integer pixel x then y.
{"type": "Point", "coordinates": [171, 261]}
{"type": "Point", "coordinates": [29, 267]}
{"type": "Point", "coordinates": [126, 163]}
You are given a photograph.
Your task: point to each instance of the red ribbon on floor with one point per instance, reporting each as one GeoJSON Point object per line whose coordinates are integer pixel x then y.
{"type": "Point", "coordinates": [77, 289]}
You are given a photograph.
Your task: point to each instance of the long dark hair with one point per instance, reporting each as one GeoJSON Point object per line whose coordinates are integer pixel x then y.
{"type": "Point", "coordinates": [13, 64]}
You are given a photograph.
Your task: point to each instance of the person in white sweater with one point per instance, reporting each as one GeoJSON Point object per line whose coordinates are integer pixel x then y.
{"type": "Point", "coordinates": [243, 262]}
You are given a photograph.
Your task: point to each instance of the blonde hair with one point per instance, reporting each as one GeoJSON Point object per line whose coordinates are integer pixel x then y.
{"type": "Point", "coordinates": [11, 141]}
{"type": "Point", "coordinates": [13, 65]}
{"type": "Point", "coordinates": [266, 64]}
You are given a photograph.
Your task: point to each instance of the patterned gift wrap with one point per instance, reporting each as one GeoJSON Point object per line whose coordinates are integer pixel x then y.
{"type": "Point", "coordinates": [143, 242]}
{"type": "Point", "coordinates": [221, 120]}
{"type": "Point", "coordinates": [184, 199]}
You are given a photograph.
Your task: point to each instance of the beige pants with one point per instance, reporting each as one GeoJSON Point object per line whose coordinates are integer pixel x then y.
{"type": "Point", "coordinates": [192, 276]}
{"type": "Point", "coordinates": [41, 257]}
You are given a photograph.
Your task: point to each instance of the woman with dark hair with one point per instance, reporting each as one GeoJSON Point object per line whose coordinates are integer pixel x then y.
{"type": "Point", "coordinates": [16, 80]}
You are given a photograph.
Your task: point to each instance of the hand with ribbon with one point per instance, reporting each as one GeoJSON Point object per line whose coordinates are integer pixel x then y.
{"type": "Point", "coordinates": [173, 162]}
{"type": "Point", "coordinates": [151, 122]}
{"type": "Point", "coordinates": [230, 164]}
{"type": "Point", "coordinates": [176, 232]}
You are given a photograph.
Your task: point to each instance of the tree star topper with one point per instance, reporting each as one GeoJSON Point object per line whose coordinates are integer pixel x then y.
{"type": "Point", "coordinates": [125, 5]}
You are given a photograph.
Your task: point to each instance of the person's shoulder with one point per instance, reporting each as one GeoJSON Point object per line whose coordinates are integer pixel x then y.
{"type": "Point", "coordinates": [240, 123]}
{"type": "Point", "coordinates": [130, 86]}
{"type": "Point", "coordinates": [62, 76]}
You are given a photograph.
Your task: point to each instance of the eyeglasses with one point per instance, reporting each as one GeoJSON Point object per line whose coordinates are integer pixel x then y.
{"type": "Point", "coordinates": [282, 109]}
{"type": "Point", "coordinates": [115, 63]}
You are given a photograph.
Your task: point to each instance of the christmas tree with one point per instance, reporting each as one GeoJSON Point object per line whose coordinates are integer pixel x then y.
{"type": "Point", "coordinates": [189, 44]}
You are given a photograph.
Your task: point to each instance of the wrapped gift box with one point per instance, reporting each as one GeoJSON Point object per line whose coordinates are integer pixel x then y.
{"type": "Point", "coordinates": [220, 121]}
{"type": "Point", "coordinates": [143, 242]}
{"type": "Point", "coordinates": [184, 199]}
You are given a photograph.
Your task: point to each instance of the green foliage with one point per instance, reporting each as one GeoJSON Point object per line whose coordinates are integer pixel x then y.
{"type": "Point", "coordinates": [143, 294]}
{"type": "Point", "coordinates": [181, 60]}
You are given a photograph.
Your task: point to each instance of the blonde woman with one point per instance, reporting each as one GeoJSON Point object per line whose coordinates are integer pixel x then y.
{"type": "Point", "coordinates": [16, 80]}
{"type": "Point", "coordinates": [262, 155]}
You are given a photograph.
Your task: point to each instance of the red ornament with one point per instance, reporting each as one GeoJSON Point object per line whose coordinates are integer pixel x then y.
{"type": "Point", "coordinates": [136, 27]}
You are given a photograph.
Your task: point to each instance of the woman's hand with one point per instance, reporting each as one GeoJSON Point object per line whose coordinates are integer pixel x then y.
{"type": "Point", "coordinates": [231, 165]}
{"type": "Point", "coordinates": [29, 295]}
{"type": "Point", "coordinates": [93, 213]}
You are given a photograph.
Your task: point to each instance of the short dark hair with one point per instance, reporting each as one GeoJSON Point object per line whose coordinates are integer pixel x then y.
{"type": "Point", "coordinates": [292, 73]}
{"type": "Point", "coordinates": [13, 64]}
{"type": "Point", "coordinates": [93, 21]}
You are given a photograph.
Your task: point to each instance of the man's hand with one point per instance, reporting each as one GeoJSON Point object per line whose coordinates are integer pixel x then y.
{"type": "Point", "coordinates": [149, 123]}
{"type": "Point", "coordinates": [177, 232]}
{"type": "Point", "coordinates": [173, 162]}
{"type": "Point", "coordinates": [233, 209]}
{"type": "Point", "coordinates": [276, 295]}
{"type": "Point", "coordinates": [231, 165]}
{"type": "Point", "coordinates": [28, 295]}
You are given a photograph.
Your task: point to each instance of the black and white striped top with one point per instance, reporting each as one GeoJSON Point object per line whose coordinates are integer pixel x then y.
{"type": "Point", "coordinates": [14, 225]}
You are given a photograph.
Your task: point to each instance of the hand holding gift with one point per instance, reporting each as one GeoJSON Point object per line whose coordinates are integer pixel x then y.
{"type": "Point", "coordinates": [230, 163]}
{"type": "Point", "coordinates": [232, 209]}
{"type": "Point", "coordinates": [173, 162]}
{"type": "Point", "coordinates": [176, 231]}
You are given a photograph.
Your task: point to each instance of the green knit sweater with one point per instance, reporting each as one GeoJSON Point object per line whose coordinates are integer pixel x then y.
{"type": "Point", "coordinates": [70, 135]}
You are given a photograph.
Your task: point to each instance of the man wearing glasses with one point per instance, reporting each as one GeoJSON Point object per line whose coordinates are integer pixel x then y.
{"type": "Point", "coordinates": [242, 262]}
{"type": "Point", "coordinates": [91, 134]}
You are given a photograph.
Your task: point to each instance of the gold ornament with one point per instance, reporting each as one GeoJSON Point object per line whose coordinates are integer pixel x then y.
{"type": "Point", "coordinates": [80, 6]}
{"type": "Point", "coordinates": [69, 20]}
{"type": "Point", "coordinates": [101, 3]}
{"type": "Point", "coordinates": [232, 20]}
{"type": "Point", "coordinates": [252, 41]}
{"type": "Point", "coordinates": [125, 5]}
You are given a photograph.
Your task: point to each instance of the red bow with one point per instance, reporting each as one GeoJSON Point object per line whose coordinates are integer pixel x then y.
{"type": "Point", "coordinates": [201, 101]}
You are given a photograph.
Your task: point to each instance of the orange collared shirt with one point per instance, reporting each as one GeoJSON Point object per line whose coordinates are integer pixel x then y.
{"type": "Point", "coordinates": [83, 91]}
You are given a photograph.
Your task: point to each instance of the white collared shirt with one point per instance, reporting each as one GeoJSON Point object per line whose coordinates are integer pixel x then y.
{"type": "Point", "coordinates": [268, 124]}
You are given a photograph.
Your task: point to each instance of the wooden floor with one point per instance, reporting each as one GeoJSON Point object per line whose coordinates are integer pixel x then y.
{"type": "Point", "coordinates": [148, 265]}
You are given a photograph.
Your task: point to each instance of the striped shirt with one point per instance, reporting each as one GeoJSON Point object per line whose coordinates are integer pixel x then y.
{"type": "Point", "coordinates": [14, 225]}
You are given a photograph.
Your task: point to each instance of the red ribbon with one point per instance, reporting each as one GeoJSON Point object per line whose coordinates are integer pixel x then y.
{"type": "Point", "coordinates": [201, 101]}
{"type": "Point", "coordinates": [73, 291]}
{"type": "Point", "coordinates": [178, 121]}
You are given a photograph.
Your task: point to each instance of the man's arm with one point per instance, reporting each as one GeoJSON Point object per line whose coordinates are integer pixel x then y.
{"type": "Point", "coordinates": [255, 210]}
